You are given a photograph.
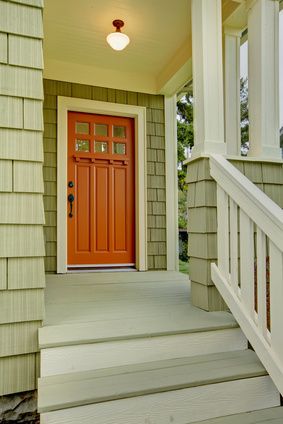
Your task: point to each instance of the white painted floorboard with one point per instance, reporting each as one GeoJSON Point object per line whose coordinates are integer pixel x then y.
{"type": "Point", "coordinates": [121, 329]}
{"type": "Point", "coordinates": [85, 357]}
{"type": "Point", "coordinates": [75, 389]}
{"type": "Point", "coordinates": [131, 321]}
{"type": "Point", "coordinates": [264, 416]}
{"type": "Point", "coordinates": [179, 406]}
{"type": "Point", "coordinates": [155, 299]}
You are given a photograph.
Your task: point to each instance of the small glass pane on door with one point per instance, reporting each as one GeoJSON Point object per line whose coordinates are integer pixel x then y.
{"type": "Point", "coordinates": [100, 147]}
{"type": "Point", "coordinates": [82, 145]}
{"type": "Point", "coordinates": [82, 128]}
{"type": "Point", "coordinates": [101, 129]}
{"type": "Point", "coordinates": [119, 148]}
{"type": "Point", "coordinates": [119, 131]}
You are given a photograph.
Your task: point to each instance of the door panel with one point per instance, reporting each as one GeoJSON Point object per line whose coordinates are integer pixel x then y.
{"type": "Point", "coordinates": [120, 210]}
{"type": "Point", "coordinates": [83, 211]}
{"type": "Point", "coordinates": [101, 177]}
{"type": "Point", "coordinates": [102, 207]}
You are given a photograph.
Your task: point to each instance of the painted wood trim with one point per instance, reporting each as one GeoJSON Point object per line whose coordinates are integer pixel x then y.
{"type": "Point", "coordinates": [171, 184]}
{"type": "Point", "coordinates": [92, 106]}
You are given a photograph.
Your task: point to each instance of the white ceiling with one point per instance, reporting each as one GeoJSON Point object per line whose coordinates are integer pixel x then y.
{"type": "Point", "coordinates": [75, 37]}
{"type": "Point", "coordinates": [75, 32]}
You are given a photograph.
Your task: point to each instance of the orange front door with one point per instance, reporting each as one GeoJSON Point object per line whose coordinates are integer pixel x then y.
{"type": "Point", "coordinates": [101, 185]}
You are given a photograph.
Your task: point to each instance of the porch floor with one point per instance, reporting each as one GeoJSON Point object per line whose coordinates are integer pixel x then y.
{"type": "Point", "coordinates": [124, 347]}
{"type": "Point", "coordinates": [115, 305]}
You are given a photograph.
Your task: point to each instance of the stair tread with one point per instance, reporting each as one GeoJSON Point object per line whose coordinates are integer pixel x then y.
{"type": "Point", "coordinates": [81, 388]}
{"type": "Point", "coordinates": [263, 416]}
{"type": "Point", "coordinates": [129, 328]}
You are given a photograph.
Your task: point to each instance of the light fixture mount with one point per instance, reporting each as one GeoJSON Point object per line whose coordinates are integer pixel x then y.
{"type": "Point", "coordinates": [118, 24]}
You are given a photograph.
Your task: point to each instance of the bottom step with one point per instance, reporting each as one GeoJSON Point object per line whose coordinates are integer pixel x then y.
{"type": "Point", "coordinates": [178, 391]}
{"type": "Point", "coordinates": [176, 407]}
{"type": "Point", "coordinates": [264, 416]}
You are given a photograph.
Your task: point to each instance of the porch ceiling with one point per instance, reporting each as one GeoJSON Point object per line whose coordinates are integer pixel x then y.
{"type": "Point", "coordinates": [75, 45]}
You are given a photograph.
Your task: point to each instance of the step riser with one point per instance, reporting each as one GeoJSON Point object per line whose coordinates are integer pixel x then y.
{"type": "Point", "coordinates": [86, 357]}
{"type": "Point", "coordinates": [179, 407]}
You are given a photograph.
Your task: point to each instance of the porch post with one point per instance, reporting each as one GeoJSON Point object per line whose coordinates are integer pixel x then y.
{"type": "Point", "coordinates": [207, 77]}
{"type": "Point", "coordinates": [232, 91]}
{"type": "Point", "coordinates": [263, 72]}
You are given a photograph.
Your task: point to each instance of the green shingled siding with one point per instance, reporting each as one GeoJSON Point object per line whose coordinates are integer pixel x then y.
{"type": "Point", "coordinates": [22, 277]}
{"type": "Point", "coordinates": [155, 163]}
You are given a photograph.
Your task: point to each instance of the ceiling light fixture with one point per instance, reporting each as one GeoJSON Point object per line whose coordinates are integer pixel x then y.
{"type": "Point", "coordinates": [117, 40]}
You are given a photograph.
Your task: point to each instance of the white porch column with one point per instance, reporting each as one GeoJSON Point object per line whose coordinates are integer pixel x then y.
{"type": "Point", "coordinates": [232, 91]}
{"type": "Point", "coordinates": [207, 77]}
{"type": "Point", "coordinates": [263, 36]}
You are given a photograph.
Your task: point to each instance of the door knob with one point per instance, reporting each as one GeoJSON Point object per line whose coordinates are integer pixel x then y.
{"type": "Point", "coordinates": [71, 198]}
{"type": "Point", "coordinates": [70, 184]}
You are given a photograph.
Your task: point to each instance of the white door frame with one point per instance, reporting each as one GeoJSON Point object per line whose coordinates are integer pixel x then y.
{"type": "Point", "coordinates": [66, 104]}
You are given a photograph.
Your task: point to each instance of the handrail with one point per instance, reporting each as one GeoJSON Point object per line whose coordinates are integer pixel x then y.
{"type": "Point", "coordinates": [267, 214]}
{"type": "Point", "coordinates": [250, 228]}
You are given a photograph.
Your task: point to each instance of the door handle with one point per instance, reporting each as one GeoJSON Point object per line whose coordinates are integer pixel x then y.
{"type": "Point", "coordinates": [71, 198]}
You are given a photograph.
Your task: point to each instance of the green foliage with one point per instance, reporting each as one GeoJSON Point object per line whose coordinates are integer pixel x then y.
{"type": "Point", "coordinates": [244, 111]}
{"type": "Point", "coordinates": [185, 134]}
{"type": "Point", "coordinates": [182, 201]}
{"type": "Point", "coordinates": [184, 266]}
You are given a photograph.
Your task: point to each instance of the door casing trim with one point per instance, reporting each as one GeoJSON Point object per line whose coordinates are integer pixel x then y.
{"type": "Point", "coordinates": [66, 104]}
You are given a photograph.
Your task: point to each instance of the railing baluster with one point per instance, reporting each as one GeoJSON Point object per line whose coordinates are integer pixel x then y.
{"type": "Point", "coordinates": [261, 281]}
{"type": "Point", "coordinates": [256, 209]}
{"type": "Point", "coordinates": [234, 244]}
{"type": "Point", "coordinates": [223, 231]}
{"type": "Point", "coordinates": [247, 262]}
{"type": "Point", "coordinates": [276, 299]}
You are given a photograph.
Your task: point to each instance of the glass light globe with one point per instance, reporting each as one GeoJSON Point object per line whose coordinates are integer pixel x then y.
{"type": "Point", "coordinates": [117, 40]}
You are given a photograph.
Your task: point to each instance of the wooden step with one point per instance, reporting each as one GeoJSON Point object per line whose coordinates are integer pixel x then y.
{"type": "Point", "coordinates": [131, 328]}
{"type": "Point", "coordinates": [183, 390]}
{"type": "Point", "coordinates": [85, 357]}
{"type": "Point", "coordinates": [264, 416]}
{"type": "Point", "coordinates": [74, 389]}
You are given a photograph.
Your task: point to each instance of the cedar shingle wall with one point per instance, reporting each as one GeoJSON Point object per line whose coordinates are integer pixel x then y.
{"type": "Point", "coordinates": [22, 276]}
{"type": "Point", "coordinates": [155, 162]}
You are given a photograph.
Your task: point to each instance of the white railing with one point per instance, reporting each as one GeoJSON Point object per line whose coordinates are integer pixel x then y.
{"type": "Point", "coordinates": [249, 273]}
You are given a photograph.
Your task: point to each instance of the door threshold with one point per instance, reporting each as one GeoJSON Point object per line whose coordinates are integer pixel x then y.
{"type": "Point", "coordinates": [72, 270]}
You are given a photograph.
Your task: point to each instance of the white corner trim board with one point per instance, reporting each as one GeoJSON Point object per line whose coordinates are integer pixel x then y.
{"type": "Point", "coordinates": [171, 183]}
{"type": "Point", "coordinates": [66, 104]}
